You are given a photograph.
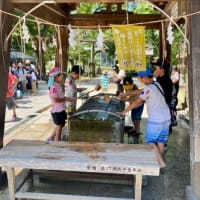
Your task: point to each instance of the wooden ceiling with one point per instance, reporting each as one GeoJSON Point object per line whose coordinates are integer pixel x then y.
{"type": "Point", "coordinates": [58, 12]}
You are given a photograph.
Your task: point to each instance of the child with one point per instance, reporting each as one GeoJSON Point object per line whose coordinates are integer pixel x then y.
{"type": "Point", "coordinates": [12, 84]}
{"type": "Point", "coordinates": [58, 99]}
{"type": "Point", "coordinates": [105, 79]}
{"type": "Point", "coordinates": [136, 114]}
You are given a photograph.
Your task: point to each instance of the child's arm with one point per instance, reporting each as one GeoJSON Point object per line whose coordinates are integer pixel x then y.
{"type": "Point", "coordinates": [130, 93]}
{"type": "Point", "coordinates": [58, 100]}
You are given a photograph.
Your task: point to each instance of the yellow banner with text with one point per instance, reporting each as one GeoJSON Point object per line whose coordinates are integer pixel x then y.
{"type": "Point", "coordinates": [130, 46]}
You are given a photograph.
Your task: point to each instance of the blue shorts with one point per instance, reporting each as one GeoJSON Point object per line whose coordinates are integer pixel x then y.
{"type": "Point", "coordinates": [157, 132]}
{"type": "Point", "coordinates": [136, 113]}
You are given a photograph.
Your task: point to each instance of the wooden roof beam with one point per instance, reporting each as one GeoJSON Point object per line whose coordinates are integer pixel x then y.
{"type": "Point", "coordinates": [45, 12]}
{"type": "Point", "coordinates": [87, 20]}
{"type": "Point", "coordinates": [82, 1]}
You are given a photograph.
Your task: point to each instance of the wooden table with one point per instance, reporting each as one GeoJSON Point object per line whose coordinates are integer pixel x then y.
{"type": "Point", "coordinates": [132, 159]}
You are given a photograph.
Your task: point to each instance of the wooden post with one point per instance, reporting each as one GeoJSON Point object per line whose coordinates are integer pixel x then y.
{"type": "Point", "coordinates": [63, 47]}
{"type": "Point", "coordinates": [161, 42]}
{"type": "Point", "coordinates": [5, 28]}
{"type": "Point", "coordinates": [5, 24]}
{"type": "Point", "coordinates": [194, 102]}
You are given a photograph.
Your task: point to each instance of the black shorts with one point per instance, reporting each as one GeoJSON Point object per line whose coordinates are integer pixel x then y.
{"type": "Point", "coordinates": [59, 117]}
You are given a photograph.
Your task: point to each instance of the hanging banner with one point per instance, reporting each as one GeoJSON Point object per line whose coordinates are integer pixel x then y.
{"type": "Point", "coordinates": [130, 47]}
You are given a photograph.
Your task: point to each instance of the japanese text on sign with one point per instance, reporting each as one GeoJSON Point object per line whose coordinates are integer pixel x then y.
{"type": "Point", "coordinates": [130, 47]}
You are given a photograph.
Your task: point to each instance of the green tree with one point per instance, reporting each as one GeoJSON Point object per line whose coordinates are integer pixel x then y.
{"type": "Point", "coordinates": [176, 46]}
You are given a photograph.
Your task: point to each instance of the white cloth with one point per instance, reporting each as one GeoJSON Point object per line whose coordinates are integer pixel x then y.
{"type": "Point", "coordinates": [121, 75]}
{"type": "Point", "coordinates": [175, 76]}
{"type": "Point", "coordinates": [70, 90]}
{"type": "Point", "coordinates": [33, 76]}
{"type": "Point", "coordinates": [21, 73]}
{"type": "Point", "coordinates": [157, 108]}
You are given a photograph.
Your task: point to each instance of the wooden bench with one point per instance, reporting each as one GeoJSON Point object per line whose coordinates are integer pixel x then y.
{"type": "Point", "coordinates": [101, 158]}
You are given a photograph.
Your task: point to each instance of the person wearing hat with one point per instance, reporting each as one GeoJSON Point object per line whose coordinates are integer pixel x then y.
{"type": "Point", "coordinates": [157, 130]}
{"type": "Point", "coordinates": [136, 114]}
{"type": "Point", "coordinates": [58, 99]}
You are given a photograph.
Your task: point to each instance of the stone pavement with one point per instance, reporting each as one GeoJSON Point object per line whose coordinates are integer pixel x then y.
{"type": "Point", "coordinates": [28, 107]}
{"type": "Point", "coordinates": [36, 124]}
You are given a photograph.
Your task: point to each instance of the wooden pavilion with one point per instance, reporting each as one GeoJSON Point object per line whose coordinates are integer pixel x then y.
{"type": "Point", "coordinates": [59, 12]}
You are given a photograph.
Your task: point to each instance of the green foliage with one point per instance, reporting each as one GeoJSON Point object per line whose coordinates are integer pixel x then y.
{"type": "Point", "coordinates": [144, 8]}
{"type": "Point", "coordinates": [176, 46]}
{"type": "Point", "coordinates": [90, 8]}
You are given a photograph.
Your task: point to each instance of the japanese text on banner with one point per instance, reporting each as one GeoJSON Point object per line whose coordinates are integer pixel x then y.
{"type": "Point", "coordinates": [130, 47]}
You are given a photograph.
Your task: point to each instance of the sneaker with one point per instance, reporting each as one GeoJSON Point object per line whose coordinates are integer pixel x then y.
{"type": "Point", "coordinates": [49, 139]}
{"type": "Point", "coordinates": [15, 118]}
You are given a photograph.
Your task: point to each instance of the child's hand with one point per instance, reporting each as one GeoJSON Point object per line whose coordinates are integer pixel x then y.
{"type": "Point", "coordinates": [124, 112]}
{"type": "Point", "coordinates": [122, 95]}
{"type": "Point", "coordinates": [73, 99]}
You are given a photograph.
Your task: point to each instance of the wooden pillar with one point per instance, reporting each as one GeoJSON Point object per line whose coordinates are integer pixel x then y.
{"type": "Point", "coordinates": [193, 191]}
{"type": "Point", "coordinates": [5, 28]}
{"type": "Point", "coordinates": [161, 42]}
{"type": "Point", "coordinates": [63, 48]}
{"type": "Point", "coordinates": [165, 47]}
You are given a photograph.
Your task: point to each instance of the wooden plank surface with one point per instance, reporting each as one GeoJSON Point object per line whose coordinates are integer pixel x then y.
{"type": "Point", "coordinates": [81, 157]}
{"type": "Point", "coordinates": [29, 195]}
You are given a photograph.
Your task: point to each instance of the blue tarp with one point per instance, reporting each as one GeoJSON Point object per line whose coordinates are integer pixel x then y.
{"type": "Point", "coordinates": [16, 56]}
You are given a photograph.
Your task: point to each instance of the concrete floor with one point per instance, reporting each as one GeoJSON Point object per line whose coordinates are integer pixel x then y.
{"type": "Point", "coordinates": [170, 185]}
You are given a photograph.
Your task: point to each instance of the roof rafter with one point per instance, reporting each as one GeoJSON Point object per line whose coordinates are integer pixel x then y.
{"type": "Point", "coordinates": [83, 1]}
{"type": "Point", "coordinates": [85, 20]}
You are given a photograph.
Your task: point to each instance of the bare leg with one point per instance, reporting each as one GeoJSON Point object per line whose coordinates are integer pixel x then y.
{"type": "Point", "coordinates": [159, 157]}
{"type": "Point", "coordinates": [14, 112]}
{"type": "Point", "coordinates": [137, 126]}
{"type": "Point", "coordinates": [53, 133]}
{"type": "Point", "coordinates": [161, 148]}
{"type": "Point", "coordinates": [58, 133]}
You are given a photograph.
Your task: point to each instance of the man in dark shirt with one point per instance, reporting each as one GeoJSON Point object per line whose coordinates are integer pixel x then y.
{"type": "Point", "coordinates": [162, 73]}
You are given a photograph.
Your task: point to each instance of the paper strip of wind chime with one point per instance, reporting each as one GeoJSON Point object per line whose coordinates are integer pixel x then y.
{"type": "Point", "coordinates": [72, 36]}
{"type": "Point", "coordinates": [130, 46]}
{"type": "Point", "coordinates": [25, 31]}
{"type": "Point", "coordinates": [100, 40]}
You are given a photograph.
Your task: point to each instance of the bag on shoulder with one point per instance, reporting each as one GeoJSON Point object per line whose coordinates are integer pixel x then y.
{"type": "Point", "coordinates": [172, 107]}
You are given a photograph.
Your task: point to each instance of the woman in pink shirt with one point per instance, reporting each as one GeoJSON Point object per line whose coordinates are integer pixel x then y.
{"type": "Point", "coordinates": [58, 99]}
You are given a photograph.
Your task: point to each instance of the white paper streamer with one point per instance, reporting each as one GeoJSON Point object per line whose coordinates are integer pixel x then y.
{"type": "Point", "coordinates": [170, 34]}
{"type": "Point", "coordinates": [25, 31]}
{"type": "Point", "coordinates": [99, 41]}
{"type": "Point", "coordinates": [72, 36]}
